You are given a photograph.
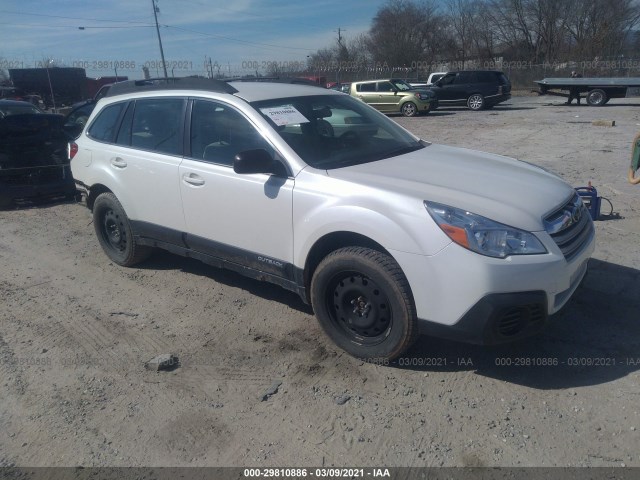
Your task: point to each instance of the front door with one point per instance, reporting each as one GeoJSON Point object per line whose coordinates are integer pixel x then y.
{"type": "Point", "coordinates": [243, 219]}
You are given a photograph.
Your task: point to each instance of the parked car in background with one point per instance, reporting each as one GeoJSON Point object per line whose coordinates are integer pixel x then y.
{"type": "Point", "coordinates": [340, 87]}
{"type": "Point", "coordinates": [35, 100]}
{"type": "Point", "coordinates": [394, 96]}
{"type": "Point", "coordinates": [76, 119]}
{"type": "Point", "coordinates": [385, 234]}
{"type": "Point", "coordinates": [33, 154]}
{"type": "Point", "coordinates": [433, 77]}
{"type": "Point", "coordinates": [477, 89]}
{"type": "Point", "coordinates": [11, 93]}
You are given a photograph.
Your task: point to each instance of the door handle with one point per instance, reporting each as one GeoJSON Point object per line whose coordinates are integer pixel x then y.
{"type": "Point", "coordinates": [193, 179]}
{"type": "Point", "coordinates": [118, 162]}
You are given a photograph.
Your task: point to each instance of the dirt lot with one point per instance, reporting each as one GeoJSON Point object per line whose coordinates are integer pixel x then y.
{"type": "Point", "coordinates": [75, 331]}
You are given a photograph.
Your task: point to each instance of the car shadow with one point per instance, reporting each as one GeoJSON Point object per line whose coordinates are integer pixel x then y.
{"type": "Point", "coordinates": [163, 260]}
{"type": "Point", "coordinates": [36, 202]}
{"type": "Point", "coordinates": [594, 339]}
{"type": "Point", "coordinates": [497, 108]}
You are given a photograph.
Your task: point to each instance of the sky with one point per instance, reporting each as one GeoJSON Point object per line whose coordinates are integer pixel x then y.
{"type": "Point", "coordinates": [240, 36]}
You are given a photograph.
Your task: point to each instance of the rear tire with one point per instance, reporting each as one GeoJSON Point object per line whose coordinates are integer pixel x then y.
{"type": "Point", "coordinates": [475, 102]}
{"type": "Point", "coordinates": [113, 230]}
{"type": "Point", "coordinates": [363, 302]}
{"type": "Point", "coordinates": [596, 98]}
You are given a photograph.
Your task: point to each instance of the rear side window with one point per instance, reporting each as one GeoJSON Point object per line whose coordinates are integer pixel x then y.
{"type": "Point", "coordinates": [463, 77]}
{"type": "Point", "coordinates": [385, 87]}
{"type": "Point", "coordinates": [124, 135]}
{"type": "Point", "coordinates": [486, 77]}
{"type": "Point", "coordinates": [156, 125]}
{"type": "Point", "coordinates": [366, 87]}
{"type": "Point", "coordinates": [502, 78]}
{"type": "Point", "coordinates": [105, 125]}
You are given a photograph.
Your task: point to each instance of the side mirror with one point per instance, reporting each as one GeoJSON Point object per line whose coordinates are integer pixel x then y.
{"type": "Point", "coordinates": [438, 83]}
{"type": "Point", "coordinates": [256, 161]}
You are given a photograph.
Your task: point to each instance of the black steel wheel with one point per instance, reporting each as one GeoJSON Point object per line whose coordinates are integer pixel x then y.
{"type": "Point", "coordinates": [364, 303]}
{"type": "Point", "coordinates": [114, 232]}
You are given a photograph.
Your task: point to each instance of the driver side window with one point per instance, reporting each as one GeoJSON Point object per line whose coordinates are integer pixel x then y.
{"type": "Point", "coordinates": [447, 80]}
{"type": "Point", "coordinates": [219, 132]}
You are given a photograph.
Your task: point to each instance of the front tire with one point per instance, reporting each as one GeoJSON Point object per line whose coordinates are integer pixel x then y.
{"type": "Point", "coordinates": [475, 102]}
{"type": "Point", "coordinates": [409, 109]}
{"type": "Point", "coordinates": [113, 230]}
{"type": "Point", "coordinates": [364, 304]}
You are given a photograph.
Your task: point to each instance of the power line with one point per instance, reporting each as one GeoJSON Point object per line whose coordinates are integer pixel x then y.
{"type": "Point", "coordinates": [71, 18]}
{"type": "Point", "coordinates": [41, 25]}
{"type": "Point", "coordinates": [237, 40]}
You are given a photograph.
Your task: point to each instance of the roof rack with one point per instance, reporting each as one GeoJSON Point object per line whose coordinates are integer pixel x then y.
{"type": "Point", "coordinates": [293, 80]}
{"type": "Point", "coordinates": [173, 83]}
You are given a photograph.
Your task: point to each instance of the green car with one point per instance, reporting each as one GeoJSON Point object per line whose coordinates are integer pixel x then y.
{"type": "Point", "coordinates": [394, 96]}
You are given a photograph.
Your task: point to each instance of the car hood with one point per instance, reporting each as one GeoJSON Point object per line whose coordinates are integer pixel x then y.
{"type": "Point", "coordinates": [500, 188]}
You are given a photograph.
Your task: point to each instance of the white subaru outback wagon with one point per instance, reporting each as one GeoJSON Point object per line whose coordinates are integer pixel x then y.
{"type": "Point", "coordinates": [384, 234]}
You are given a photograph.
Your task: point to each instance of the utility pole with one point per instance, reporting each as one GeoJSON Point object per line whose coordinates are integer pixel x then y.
{"type": "Point", "coordinates": [155, 15]}
{"type": "Point", "coordinates": [339, 37]}
{"type": "Point", "coordinates": [341, 54]}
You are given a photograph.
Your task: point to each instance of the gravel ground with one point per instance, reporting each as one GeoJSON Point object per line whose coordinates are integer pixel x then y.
{"type": "Point", "coordinates": [260, 385]}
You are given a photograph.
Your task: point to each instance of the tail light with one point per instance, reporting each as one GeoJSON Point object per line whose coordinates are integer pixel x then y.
{"type": "Point", "coordinates": [72, 149]}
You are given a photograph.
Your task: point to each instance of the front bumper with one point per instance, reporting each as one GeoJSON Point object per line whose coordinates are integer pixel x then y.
{"type": "Point", "coordinates": [462, 295]}
{"type": "Point", "coordinates": [497, 318]}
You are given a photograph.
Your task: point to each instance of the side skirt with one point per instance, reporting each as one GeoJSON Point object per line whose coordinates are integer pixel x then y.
{"type": "Point", "coordinates": [287, 275]}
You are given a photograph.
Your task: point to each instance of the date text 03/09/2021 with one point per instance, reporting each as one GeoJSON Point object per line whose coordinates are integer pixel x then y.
{"type": "Point", "coordinates": [316, 472]}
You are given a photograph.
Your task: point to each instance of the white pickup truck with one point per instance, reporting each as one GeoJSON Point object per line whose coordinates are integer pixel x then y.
{"type": "Point", "coordinates": [433, 78]}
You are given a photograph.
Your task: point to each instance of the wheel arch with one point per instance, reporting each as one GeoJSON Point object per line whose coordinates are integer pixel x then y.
{"type": "Point", "coordinates": [94, 192]}
{"type": "Point", "coordinates": [331, 242]}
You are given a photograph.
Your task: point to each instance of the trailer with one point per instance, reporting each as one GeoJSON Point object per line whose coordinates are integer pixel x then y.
{"type": "Point", "coordinates": [598, 90]}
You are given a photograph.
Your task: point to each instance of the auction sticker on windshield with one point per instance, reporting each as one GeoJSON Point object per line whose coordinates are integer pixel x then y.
{"type": "Point", "coordinates": [284, 115]}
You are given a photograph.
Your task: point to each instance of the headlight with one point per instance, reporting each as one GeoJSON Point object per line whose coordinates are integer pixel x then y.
{"type": "Point", "coordinates": [483, 235]}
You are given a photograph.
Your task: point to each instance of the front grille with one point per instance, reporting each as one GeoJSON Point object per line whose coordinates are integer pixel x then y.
{"type": "Point", "coordinates": [516, 319]}
{"type": "Point", "coordinates": [570, 227]}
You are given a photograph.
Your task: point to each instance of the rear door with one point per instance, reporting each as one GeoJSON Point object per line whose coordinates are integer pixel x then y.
{"type": "Point", "coordinates": [368, 93]}
{"type": "Point", "coordinates": [139, 151]}
{"type": "Point", "coordinates": [388, 98]}
{"type": "Point", "coordinates": [454, 87]}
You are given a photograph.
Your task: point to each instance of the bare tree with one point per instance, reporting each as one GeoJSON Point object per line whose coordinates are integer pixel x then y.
{"type": "Point", "coordinates": [600, 28]}
{"type": "Point", "coordinates": [404, 32]}
{"type": "Point", "coordinates": [4, 76]}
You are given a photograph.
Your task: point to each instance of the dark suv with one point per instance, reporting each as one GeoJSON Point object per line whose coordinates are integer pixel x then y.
{"type": "Point", "coordinates": [476, 89]}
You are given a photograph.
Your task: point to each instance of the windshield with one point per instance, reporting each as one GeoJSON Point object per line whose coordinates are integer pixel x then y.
{"type": "Point", "coordinates": [333, 131]}
{"type": "Point", "coordinates": [402, 85]}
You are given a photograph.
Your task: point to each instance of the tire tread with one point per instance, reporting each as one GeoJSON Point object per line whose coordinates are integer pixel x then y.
{"type": "Point", "coordinates": [391, 268]}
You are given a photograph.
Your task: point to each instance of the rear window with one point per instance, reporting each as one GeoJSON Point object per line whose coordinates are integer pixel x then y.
{"type": "Point", "coordinates": [105, 125]}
